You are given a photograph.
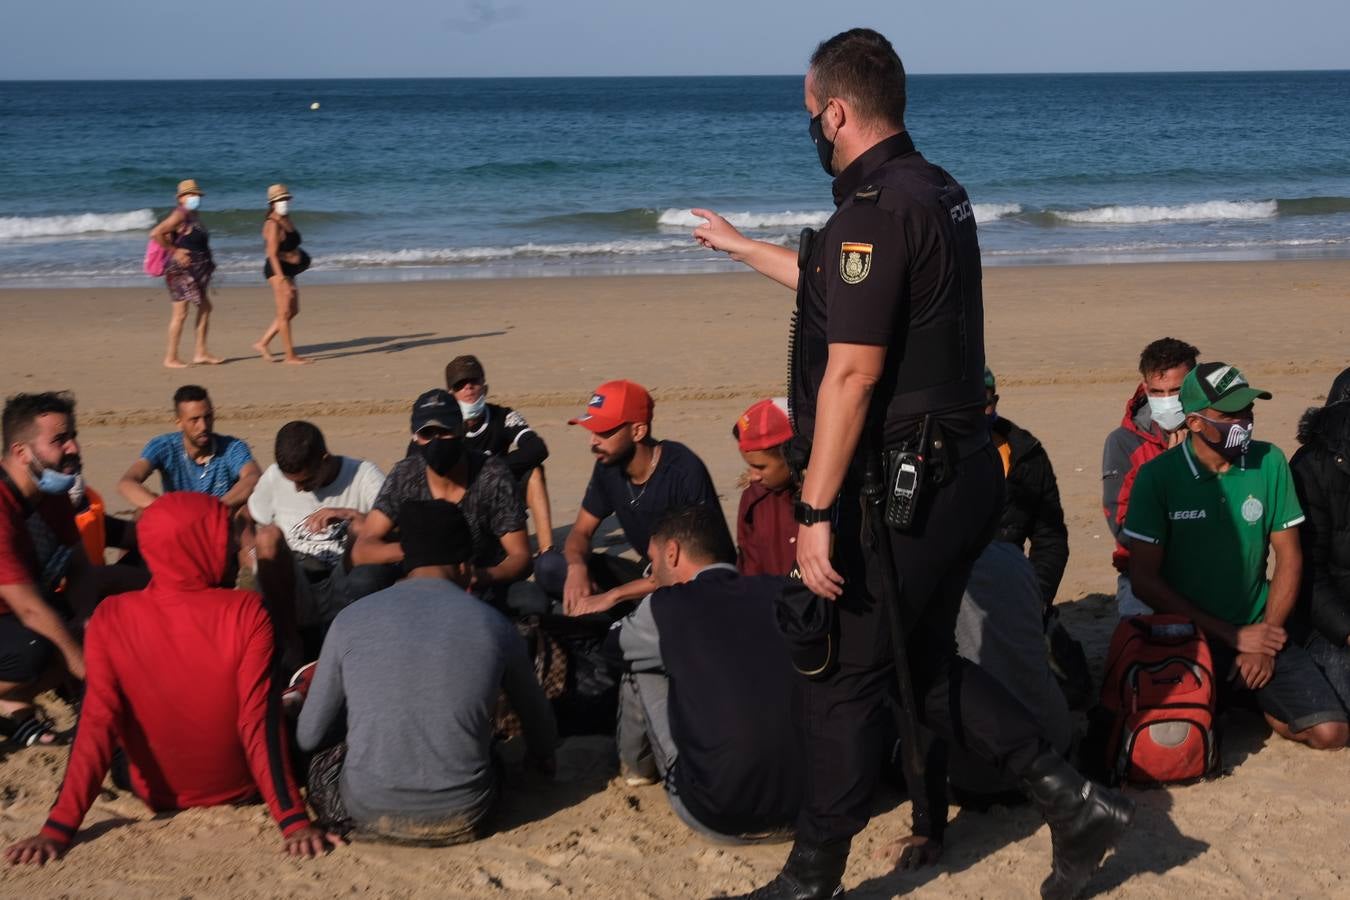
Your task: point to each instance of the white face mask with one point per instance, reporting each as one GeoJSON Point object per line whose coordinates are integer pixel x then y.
{"type": "Point", "coordinates": [282, 207]}
{"type": "Point", "coordinates": [475, 409]}
{"type": "Point", "coordinates": [191, 202]}
{"type": "Point", "coordinates": [1166, 411]}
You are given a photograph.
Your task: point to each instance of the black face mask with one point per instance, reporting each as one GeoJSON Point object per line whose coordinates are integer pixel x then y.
{"type": "Point", "coordinates": [824, 146]}
{"type": "Point", "coordinates": [442, 454]}
{"type": "Point", "coordinates": [1234, 438]}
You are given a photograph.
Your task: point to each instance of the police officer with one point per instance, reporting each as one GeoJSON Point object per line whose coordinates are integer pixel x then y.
{"type": "Point", "coordinates": [888, 356]}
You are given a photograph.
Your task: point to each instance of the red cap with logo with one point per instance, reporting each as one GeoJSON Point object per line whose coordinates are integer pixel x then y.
{"type": "Point", "coordinates": [763, 425]}
{"type": "Point", "coordinates": [615, 403]}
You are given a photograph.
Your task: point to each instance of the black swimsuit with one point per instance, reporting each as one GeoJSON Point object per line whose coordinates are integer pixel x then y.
{"type": "Point", "coordinates": [289, 242]}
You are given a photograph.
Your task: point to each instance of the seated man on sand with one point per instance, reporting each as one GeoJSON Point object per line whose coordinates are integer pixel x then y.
{"type": "Point", "coordinates": [442, 468]}
{"type": "Point", "coordinates": [180, 677]}
{"type": "Point", "coordinates": [1322, 475]}
{"type": "Point", "coordinates": [766, 530]}
{"type": "Point", "coordinates": [1033, 519]}
{"type": "Point", "coordinates": [1153, 423]}
{"type": "Point", "coordinates": [1000, 629]}
{"type": "Point", "coordinates": [494, 430]}
{"type": "Point", "coordinates": [40, 548]}
{"type": "Point", "coordinates": [409, 770]}
{"type": "Point", "coordinates": [193, 458]}
{"type": "Point", "coordinates": [636, 479]}
{"type": "Point", "coordinates": [1203, 520]}
{"type": "Point", "coordinates": [1033, 516]}
{"type": "Point", "coordinates": [308, 507]}
{"type": "Point", "coordinates": [711, 702]}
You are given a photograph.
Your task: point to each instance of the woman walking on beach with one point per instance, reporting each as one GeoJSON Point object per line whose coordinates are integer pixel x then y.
{"type": "Point", "coordinates": [187, 273]}
{"type": "Point", "coordinates": [285, 260]}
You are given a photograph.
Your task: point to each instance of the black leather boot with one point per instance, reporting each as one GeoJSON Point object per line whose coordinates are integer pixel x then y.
{"type": "Point", "coordinates": [812, 872]}
{"type": "Point", "coordinates": [1085, 821]}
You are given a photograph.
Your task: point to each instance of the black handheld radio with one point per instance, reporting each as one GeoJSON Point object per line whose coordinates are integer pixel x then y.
{"type": "Point", "coordinates": [908, 472]}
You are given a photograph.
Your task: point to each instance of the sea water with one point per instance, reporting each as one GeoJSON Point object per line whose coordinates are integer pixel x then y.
{"type": "Point", "coordinates": [435, 178]}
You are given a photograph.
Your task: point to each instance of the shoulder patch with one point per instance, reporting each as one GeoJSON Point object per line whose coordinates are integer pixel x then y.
{"type": "Point", "coordinates": [868, 193]}
{"type": "Point", "coordinates": [855, 261]}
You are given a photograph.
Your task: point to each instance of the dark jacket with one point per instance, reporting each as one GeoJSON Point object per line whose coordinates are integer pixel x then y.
{"type": "Point", "coordinates": [1322, 475]}
{"type": "Point", "coordinates": [1033, 511]}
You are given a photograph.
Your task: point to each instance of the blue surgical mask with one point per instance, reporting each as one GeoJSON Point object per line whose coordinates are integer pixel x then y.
{"type": "Point", "coordinates": [191, 202]}
{"type": "Point", "coordinates": [51, 481]}
{"type": "Point", "coordinates": [475, 409]}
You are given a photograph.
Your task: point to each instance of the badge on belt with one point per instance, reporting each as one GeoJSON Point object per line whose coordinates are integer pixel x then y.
{"type": "Point", "coordinates": [855, 261]}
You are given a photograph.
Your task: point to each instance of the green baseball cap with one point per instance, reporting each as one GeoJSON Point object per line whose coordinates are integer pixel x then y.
{"type": "Point", "coordinates": [1217, 385]}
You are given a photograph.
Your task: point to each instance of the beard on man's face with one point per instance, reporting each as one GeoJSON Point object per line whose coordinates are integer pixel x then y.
{"type": "Point", "coordinates": [621, 458]}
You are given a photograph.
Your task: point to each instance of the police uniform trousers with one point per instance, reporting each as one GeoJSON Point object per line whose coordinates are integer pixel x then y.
{"type": "Point", "coordinates": [848, 714]}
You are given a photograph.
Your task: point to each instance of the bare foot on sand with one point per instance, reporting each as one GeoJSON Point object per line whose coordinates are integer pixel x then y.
{"type": "Point", "coordinates": [297, 361]}
{"type": "Point", "coordinates": [174, 363]}
{"type": "Point", "coordinates": [264, 352]}
{"type": "Point", "coordinates": [207, 360]}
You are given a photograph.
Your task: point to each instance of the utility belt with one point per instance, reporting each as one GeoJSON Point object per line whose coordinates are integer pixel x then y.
{"type": "Point", "coordinates": [898, 481]}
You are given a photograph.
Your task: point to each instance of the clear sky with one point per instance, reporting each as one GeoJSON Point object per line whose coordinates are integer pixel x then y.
{"type": "Point", "coordinates": [372, 38]}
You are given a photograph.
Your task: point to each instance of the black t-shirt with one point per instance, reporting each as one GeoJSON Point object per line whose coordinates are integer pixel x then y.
{"type": "Point", "coordinates": [897, 266]}
{"type": "Point", "coordinates": [680, 479]}
{"type": "Point", "coordinates": [491, 502]}
{"type": "Point", "coordinates": [734, 703]}
{"type": "Point", "coordinates": [504, 433]}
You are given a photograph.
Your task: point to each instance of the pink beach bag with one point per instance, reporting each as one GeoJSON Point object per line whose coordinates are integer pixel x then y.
{"type": "Point", "coordinates": [156, 258]}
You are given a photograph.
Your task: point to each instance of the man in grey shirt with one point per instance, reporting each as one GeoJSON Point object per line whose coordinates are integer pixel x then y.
{"type": "Point", "coordinates": [417, 669]}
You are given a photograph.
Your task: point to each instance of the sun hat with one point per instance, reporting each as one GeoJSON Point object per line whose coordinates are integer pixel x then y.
{"type": "Point", "coordinates": [1217, 385]}
{"type": "Point", "coordinates": [188, 186]}
{"type": "Point", "coordinates": [615, 403]}
{"type": "Point", "coordinates": [763, 425]}
{"type": "Point", "coordinates": [277, 192]}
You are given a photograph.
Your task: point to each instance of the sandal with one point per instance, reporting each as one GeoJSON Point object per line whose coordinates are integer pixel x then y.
{"type": "Point", "coordinates": [31, 730]}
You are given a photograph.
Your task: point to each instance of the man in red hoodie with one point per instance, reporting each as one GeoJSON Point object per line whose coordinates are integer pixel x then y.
{"type": "Point", "coordinates": [180, 676]}
{"type": "Point", "coordinates": [1153, 423]}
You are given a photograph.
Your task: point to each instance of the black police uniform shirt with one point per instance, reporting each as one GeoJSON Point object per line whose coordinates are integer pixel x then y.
{"type": "Point", "coordinates": [504, 433]}
{"type": "Point", "coordinates": [680, 479]}
{"type": "Point", "coordinates": [898, 266]}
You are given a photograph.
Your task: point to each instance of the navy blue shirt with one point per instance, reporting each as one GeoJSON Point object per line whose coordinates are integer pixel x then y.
{"type": "Point", "coordinates": [680, 479]}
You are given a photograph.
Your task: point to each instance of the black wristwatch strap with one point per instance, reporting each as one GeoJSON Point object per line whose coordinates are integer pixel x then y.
{"type": "Point", "coordinates": [806, 514]}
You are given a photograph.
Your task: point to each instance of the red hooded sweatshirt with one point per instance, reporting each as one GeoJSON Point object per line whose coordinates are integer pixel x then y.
{"type": "Point", "coordinates": [180, 675]}
{"type": "Point", "coordinates": [1134, 443]}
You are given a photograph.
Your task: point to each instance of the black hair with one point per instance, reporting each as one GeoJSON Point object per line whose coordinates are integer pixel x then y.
{"type": "Point", "coordinates": [22, 410]}
{"type": "Point", "coordinates": [1166, 353]}
{"type": "Point", "coordinates": [1340, 388]}
{"type": "Point", "coordinates": [300, 446]}
{"type": "Point", "coordinates": [433, 533]}
{"type": "Point", "coordinates": [701, 530]}
{"type": "Point", "coordinates": [862, 67]}
{"type": "Point", "coordinates": [190, 393]}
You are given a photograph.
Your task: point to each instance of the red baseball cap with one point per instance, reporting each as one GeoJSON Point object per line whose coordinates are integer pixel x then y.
{"type": "Point", "coordinates": [763, 425]}
{"type": "Point", "coordinates": [615, 403]}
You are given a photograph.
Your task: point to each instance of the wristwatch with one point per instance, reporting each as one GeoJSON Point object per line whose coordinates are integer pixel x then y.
{"type": "Point", "coordinates": [805, 514]}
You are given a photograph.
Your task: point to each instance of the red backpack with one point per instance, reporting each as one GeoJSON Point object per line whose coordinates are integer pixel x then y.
{"type": "Point", "coordinates": [1159, 689]}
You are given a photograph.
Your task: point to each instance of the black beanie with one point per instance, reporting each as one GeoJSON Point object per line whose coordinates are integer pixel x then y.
{"type": "Point", "coordinates": [433, 533]}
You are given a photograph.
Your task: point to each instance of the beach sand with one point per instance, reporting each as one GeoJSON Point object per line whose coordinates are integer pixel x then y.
{"type": "Point", "coordinates": [1064, 343]}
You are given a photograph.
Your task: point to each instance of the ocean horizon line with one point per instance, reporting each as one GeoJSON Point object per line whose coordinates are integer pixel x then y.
{"type": "Point", "coordinates": [687, 76]}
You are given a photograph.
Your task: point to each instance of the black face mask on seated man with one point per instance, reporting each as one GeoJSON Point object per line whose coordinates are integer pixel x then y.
{"type": "Point", "coordinates": [442, 453]}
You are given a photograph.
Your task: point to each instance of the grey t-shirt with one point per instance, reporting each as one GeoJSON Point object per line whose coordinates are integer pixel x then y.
{"type": "Point", "coordinates": [417, 668]}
